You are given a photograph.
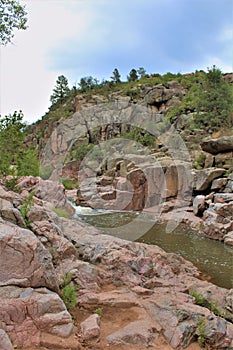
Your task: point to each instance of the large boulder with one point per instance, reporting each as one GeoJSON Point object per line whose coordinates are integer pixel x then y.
{"type": "Point", "coordinates": [199, 205]}
{"type": "Point", "coordinates": [26, 313]}
{"type": "Point", "coordinates": [53, 192]}
{"type": "Point", "coordinates": [203, 178]}
{"type": "Point", "coordinates": [23, 259]}
{"type": "Point", "coordinates": [218, 221]}
{"type": "Point", "coordinates": [219, 145]}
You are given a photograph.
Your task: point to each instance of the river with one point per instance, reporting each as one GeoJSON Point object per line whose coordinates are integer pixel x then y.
{"type": "Point", "coordinates": [212, 258]}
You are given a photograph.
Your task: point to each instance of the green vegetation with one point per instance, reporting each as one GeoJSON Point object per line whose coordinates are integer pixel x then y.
{"type": "Point", "coordinates": [99, 311]}
{"type": "Point", "coordinates": [201, 331]}
{"type": "Point", "coordinates": [133, 75]}
{"type": "Point", "coordinates": [139, 135]}
{"type": "Point", "coordinates": [214, 102]}
{"type": "Point", "coordinates": [212, 306]}
{"type": "Point", "coordinates": [116, 78]}
{"type": "Point", "coordinates": [210, 99]}
{"type": "Point", "coordinates": [26, 206]}
{"type": "Point", "coordinates": [200, 162]}
{"type": "Point", "coordinates": [80, 150]}
{"type": "Point", "coordinates": [198, 297]}
{"type": "Point", "coordinates": [17, 159]}
{"type": "Point", "coordinates": [69, 184]}
{"type": "Point", "coordinates": [12, 184]}
{"type": "Point", "coordinates": [61, 90]}
{"type": "Point", "coordinates": [13, 16]}
{"type": "Point", "coordinates": [69, 292]}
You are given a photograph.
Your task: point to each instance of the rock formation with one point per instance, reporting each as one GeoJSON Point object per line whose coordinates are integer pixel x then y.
{"type": "Point", "coordinates": [152, 296]}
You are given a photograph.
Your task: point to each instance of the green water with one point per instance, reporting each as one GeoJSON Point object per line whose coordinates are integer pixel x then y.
{"type": "Point", "coordinates": [212, 258]}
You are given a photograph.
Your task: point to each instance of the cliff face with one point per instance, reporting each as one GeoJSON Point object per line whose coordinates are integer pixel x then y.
{"type": "Point", "coordinates": [126, 155]}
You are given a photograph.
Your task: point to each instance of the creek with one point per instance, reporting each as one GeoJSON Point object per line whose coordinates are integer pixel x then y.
{"type": "Point", "coordinates": [212, 258]}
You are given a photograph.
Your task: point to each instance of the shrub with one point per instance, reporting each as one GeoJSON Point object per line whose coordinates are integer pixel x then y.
{"type": "Point", "coordinates": [12, 184]}
{"type": "Point", "coordinates": [99, 311]}
{"type": "Point", "coordinates": [201, 160]}
{"type": "Point", "coordinates": [26, 206]}
{"type": "Point", "coordinates": [69, 292]}
{"type": "Point", "coordinates": [201, 331]}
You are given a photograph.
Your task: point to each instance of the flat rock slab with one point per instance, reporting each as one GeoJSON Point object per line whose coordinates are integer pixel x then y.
{"type": "Point", "coordinates": [139, 332]}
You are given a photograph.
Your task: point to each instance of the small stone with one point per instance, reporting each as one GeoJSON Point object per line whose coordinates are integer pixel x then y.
{"type": "Point", "coordinates": [90, 327]}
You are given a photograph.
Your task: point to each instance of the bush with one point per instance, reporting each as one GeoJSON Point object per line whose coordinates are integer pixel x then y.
{"type": "Point", "coordinates": [26, 206]}
{"type": "Point", "coordinates": [69, 292]}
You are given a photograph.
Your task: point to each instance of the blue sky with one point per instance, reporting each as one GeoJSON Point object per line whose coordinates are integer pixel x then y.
{"type": "Point", "coordinates": [79, 38]}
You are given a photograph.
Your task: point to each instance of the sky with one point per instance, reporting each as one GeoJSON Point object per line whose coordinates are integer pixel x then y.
{"type": "Point", "coordinates": [79, 38]}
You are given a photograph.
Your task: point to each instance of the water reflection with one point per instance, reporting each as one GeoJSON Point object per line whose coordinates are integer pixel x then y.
{"type": "Point", "coordinates": [211, 257]}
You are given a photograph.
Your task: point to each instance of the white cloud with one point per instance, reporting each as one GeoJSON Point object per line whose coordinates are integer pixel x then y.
{"type": "Point", "coordinates": [26, 81]}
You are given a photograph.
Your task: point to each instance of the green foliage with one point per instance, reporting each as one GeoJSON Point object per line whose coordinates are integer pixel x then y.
{"type": "Point", "coordinates": [12, 184]}
{"type": "Point", "coordinates": [116, 78]}
{"type": "Point", "coordinates": [87, 83]}
{"type": "Point", "coordinates": [16, 158]}
{"type": "Point", "coordinates": [13, 16]}
{"type": "Point", "coordinates": [69, 184]}
{"type": "Point", "coordinates": [212, 306]}
{"type": "Point", "coordinates": [99, 311]}
{"type": "Point", "coordinates": [214, 102]}
{"type": "Point", "coordinates": [141, 72]}
{"type": "Point", "coordinates": [61, 90]}
{"type": "Point", "coordinates": [26, 206]}
{"type": "Point", "coordinates": [139, 135]}
{"type": "Point", "coordinates": [201, 331]}
{"type": "Point", "coordinates": [198, 297]}
{"type": "Point", "coordinates": [201, 160]}
{"type": "Point", "coordinates": [81, 150]}
{"type": "Point", "coordinates": [133, 76]}
{"type": "Point", "coordinates": [69, 292]}
{"type": "Point", "coordinates": [29, 163]}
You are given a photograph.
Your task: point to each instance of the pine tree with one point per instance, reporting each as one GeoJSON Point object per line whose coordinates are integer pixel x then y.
{"type": "Point", "coordinates": [133, 76]}
{"type": "Point", "coordinates": [61, 90]}
{"type": "Point", "coordinates": [116, 78]}
{"type": "Point", "coordinates": [142, 72]}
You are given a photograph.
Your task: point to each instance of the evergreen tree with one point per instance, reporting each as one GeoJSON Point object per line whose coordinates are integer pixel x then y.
{"type": "Point", "coordinates": [12, 16]}
{"type": "Point", "coordinates": [141, 72]}
{"type": "Point", "coordinates": [87, 83]}
{"type": "Point", "coordinates": [116, 78]}
{"type": "Point", "coordinates": [133, 76]}
{"type": "Point", "coordinates": [61, 90]}
{"type": "Point", "coordinates": [213, 102]}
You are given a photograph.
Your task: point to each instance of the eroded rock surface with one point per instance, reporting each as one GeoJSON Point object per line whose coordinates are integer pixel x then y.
{"type": "Point", "coordinates": [149, 290]}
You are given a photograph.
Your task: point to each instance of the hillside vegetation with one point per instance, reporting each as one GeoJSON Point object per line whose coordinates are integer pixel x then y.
{"type": "Point", "coordinates": [206, 105]}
